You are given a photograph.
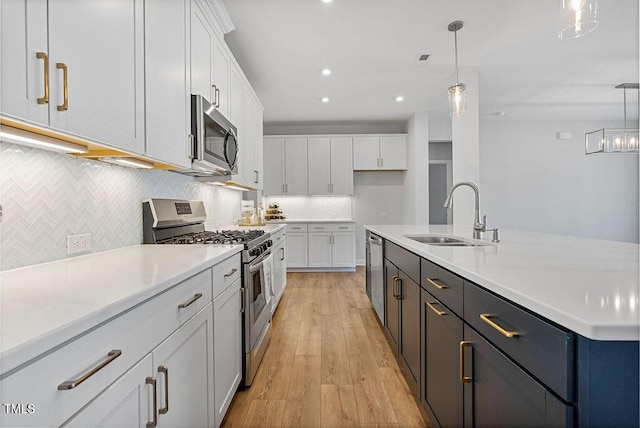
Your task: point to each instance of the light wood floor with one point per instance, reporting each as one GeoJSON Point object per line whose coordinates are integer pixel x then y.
{"type": "Point", "coordinates": [328, 363]}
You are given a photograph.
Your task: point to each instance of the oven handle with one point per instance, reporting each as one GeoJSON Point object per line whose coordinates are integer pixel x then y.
{"type": "Point", "coordinates": [257, 263]}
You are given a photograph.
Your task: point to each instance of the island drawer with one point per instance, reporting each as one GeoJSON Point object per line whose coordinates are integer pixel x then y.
{"type": "Point", "coordinates": [405, 260]}
{"type": "Point", "coordinates": [540, 347]}
{"type": "Point", "coordinates": [65, 379]}
{"type": "Point", "coordinates": [444, 285]}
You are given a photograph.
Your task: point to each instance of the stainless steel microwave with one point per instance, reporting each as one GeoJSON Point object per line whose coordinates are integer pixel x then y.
{"type": "Point", "coordinates": [215, 141]}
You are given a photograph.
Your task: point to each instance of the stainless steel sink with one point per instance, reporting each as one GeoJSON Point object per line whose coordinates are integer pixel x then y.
{"type": "Point", "coordinates": [444, 241]}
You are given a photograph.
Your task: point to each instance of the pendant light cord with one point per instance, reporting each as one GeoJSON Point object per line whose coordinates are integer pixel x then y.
{"type": "Point", "coordinates": [455, 38]}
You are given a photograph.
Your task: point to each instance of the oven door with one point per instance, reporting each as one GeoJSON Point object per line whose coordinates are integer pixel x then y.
{"type": "Point", "coordinates": [257, 313]}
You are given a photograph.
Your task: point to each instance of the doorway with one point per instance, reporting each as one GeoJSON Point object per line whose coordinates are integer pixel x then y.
{"type": "Point", "coordinates": [440, 181]}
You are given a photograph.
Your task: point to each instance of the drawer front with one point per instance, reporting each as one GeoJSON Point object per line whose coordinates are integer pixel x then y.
{"type": "Point", "coordinates": [134, 334]}
{"type": "Point", "coordinates": [543, 349]}
{"type": "Point", "coordinates": [408, 262]}
{"type": "Point", "coordinates": [296, 227]}
{"type": "Point", "coordinates": [278, 236]}
{"type": "Point", "coordinates": [332, 227]}
{"type": "Point", "coordinates": [444, 285]}
{"type": "Point", "coordinates": [226, 273]}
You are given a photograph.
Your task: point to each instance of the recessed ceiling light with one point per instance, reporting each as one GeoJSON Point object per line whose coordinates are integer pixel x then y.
{"type": "Point", "coordinates": [326, 72]}
{"type": "Point", "coordinates": [325, 99]}
{"type": "Point", "coordinates": [327, 1]}
{"type": "Point", "coordinates": [399, 99]}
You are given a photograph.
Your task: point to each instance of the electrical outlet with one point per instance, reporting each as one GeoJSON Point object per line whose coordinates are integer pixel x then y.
{"type": "Point", "coordinates": [78, 243]}
{"type": "Point", "coordinates": [383, 215]}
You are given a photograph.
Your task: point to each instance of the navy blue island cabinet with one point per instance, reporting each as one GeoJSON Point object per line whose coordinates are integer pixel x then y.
{"type": "Point", "coordinates": [484, 361]}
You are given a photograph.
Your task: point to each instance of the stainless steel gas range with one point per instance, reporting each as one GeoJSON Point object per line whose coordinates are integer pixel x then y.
{"type": "Point", "coordinates": [173, 221]}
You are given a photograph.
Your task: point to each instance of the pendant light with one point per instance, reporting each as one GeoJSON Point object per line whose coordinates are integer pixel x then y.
{"type": "Point", "coordinates": [457, 93]}
{"type": "Point", "coordinates": [608, 140]}
{"type": "Point", "coordinates": [577, 18]}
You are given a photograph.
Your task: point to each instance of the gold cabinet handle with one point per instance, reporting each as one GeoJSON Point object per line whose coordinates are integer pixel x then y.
{"type": "Point", "coordinates": [190, 302]}
{"type": "Point", "coordinates": [227, 275]}
{"type": "Point", "coordinates": [393, 290]}
{"type": "Point", "coordinates": [152, 381]}
{"type": "Point", "coordinates": [487, 318]}
{"type": "Point", "coordinates": [65, 86]}
{"type": "Point", "coordinates": [70, 384]}
{"type": "Point", "coordinates": [463, 378]}
{"type": "Point", "coordinates": [242, 300]}
{"type": "Point", "coordinates": [45, 57]}
{"type": "Point", "coordinates": [165, 370]}
{"type": "Point", "coordinates": [399, 288]}
{"type": "Point", "coordinates": [434, 309]}
{"type": "Point", "coordinates": [433, 282]}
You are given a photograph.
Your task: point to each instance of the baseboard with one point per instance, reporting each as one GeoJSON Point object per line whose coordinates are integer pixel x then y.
{"type": "Point", "coordinates": [324, 269]}
{"type": "Point", "coordinates": [361, 262]}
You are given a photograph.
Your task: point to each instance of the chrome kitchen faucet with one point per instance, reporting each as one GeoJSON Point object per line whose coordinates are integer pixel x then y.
{"type": "Point", "coordinates": [478, 226]}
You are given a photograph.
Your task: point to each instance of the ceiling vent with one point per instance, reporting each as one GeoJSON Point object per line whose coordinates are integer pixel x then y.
{"type": "Point", "coordinates": [423, 57]}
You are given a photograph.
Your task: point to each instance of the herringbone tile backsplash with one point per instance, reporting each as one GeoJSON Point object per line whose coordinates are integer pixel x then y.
{"type": "Point", "coordinates": [46, 196]}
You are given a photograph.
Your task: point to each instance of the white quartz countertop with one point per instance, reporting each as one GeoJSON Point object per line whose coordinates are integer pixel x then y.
{"type": "Point", "coordinates": [44, 305]}
{"type": "Point", "coordinates": [589, 286]}
{"type": "Point", "coordinates": [315, 220]}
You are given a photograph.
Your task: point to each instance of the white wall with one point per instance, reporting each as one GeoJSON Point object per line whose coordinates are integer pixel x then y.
{"type": "Point", "coordinates": [376, 194]}
{"type": "Point", "coordinates": [312, 207]}
{"type": "Point", "coordinates": [317, 128]}
{"type": "Point", "coordinates": [533, 181]}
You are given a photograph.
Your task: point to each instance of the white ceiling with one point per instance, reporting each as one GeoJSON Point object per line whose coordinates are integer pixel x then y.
{"type": "Point", "coordinates": [372, 47]}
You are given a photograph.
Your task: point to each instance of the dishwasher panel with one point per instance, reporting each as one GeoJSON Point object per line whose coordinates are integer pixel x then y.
{"type": "Point", "coordinates": [375, 269]}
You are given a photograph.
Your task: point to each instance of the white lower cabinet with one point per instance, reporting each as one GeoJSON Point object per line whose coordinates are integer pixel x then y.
{"type": "Point", "coordinates": [321, 245]}
{"type": "Point", "coordinates": [279, 252]}
{"type": "Point", "coordinates": [343, 246]}
{"type": "Point", "coordinates": [320, 249]}
{"type": "Point", "coordinates": [296, 249]}
{"type": "Point", "coordinates": [227, 345]}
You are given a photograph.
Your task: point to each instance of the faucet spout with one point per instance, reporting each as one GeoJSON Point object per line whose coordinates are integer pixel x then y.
{"type": "Point", "coordinates": [478, 226]}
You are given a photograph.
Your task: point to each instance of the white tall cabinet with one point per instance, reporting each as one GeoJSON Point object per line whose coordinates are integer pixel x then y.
{"type": "Point", "coordinates": [54, 75]}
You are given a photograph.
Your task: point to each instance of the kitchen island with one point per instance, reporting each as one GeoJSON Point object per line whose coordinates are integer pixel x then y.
{"type": "Point", "coordinates": [562, 312]}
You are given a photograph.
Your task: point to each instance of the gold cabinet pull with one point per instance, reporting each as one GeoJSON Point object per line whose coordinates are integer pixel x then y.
{"type": "Point", "coordinates": [65, 86]}
{"type": "Point", "coordinates": [395, 283]}
{"type": "Point", "coordinates": [487, 318]}
{"type": "Point", "coordinates": [434, 309]}
{"type": "Point", "coordinates": [45, 57]}
{"type": "Point", "coordinates": [433, 282]}
{"type": "Point", "coordinates": [227, 275]}
{"type": "Point", "coordinates": [399, 288]}
{"type": "Point", "coordinates": [190, 302]}
{"type": "Point", "coordinates": [70, 384]}
{"type": "Point", "coordinates": [463, 378]}
{"type": "Point", "coordinates": [165, 370]}
{"type": "Point", "coordinates": [152, 381]}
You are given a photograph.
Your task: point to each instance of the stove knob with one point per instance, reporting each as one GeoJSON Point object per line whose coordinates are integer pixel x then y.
{"type": "Point", "coordinates": [257, 251]}
{"type": "Point", "coordinates": [265, 247]}
{"type": "Point", "coordinates": [269, 243]}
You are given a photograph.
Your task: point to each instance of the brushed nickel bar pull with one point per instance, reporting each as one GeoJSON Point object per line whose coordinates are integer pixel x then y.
{"type": "Point", "coordinates": [227, 275]}
{"type": "Point", "coordinates": [190, 302]}
{"type": "Point", "coordinates": [242, 300]}
{"type": "Point", "coordinates": [152, 381]}
{"type": "Point", "coordinates": [282, 249]}
{"type": "Point", "coordinates": [434, 309]}
{"type": "Point", "coordinates": [257, 180]}
{"type": "Point", "coordinates": [165, 370]}
{"type": "Point", "coordinates": [433, 282]}
{"type": "Point", "coordinates": [463, 378]}
{"type": "Point", "coordinates": [191, 149]}
{"type": "Point", "coordinates": [487, 318]}
{"type": "Point", "coordinates": [45, 57]}
{"type": "Point", "coordinates": [65, 82]}
{"type": "Point", "coordinates": [70, 384]}
{"type": "Point", "coordinates": [217, 98]}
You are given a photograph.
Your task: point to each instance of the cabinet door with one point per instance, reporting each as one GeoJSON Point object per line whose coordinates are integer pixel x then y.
{"type": "Point", "coordinates": [221, 65]}
{"type": "Point", "coordinates": [409, 350]}
{"type": "Point", "coordinates": [343, 249]}
{"type": "Point", "coordinates": [227, 348]}
{"type": "Point", "coordinates": [249, 140]}
{"type": "Point", "coordinates": [123, 404]}
{"type": "Point", "coordinates": [366, 153]}
{"type": "Point", "coordinates": [186, 389]}
{"type": "Point", "coordinates": [297, 250]}
{"type": "Point", "coordinates": [23, 33]}
{"type": "Point", "coordinates": [502, 394]}
{"type": "Point", "coordinates": [391, 304]}
{"type": "Point", "coordinates": [441, 386]}
{"type": "Point", "coordinates": [320, 249]}
{"type": "Point", "coordinates": [102, 45]}
{"type": "Point", "coordinates": [295, 152]}
{"type": "Point", "coordinates": [319, 152]}
{"type": "Point", "coordinates": [341, 166]}
{"type": "Point", "coordinates": [236, 117]}
{"type": "Point", "coordinates": [168, 94]}
{"type": "Point", "coordinates": [202, 46]}
{"type": "Point", "coordinates": [258, 115]}
{"type": "Point", "coordinates": [393, 152]}
{"type": "Point", "coordinates": [274, 161]}
{"type": "Point", "coordinates": [279, 271]}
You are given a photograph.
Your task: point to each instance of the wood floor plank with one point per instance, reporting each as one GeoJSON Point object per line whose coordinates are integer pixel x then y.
{"type": "Point", "coordinates": [272, 379]}
{"type": "Point", "coordinates": [265, 413]}
{"type": "Point", "coordinates": [303, 413]}
{"type": "Point", "coordinates": [305, 377]}
{"type": "Point", "coordinates": [404, 405]}
{"type": "Point", "coordinates": [373, 402]}
{"type": "Point", "coordinates": [335, 360]}
{"type": "Point", "coordinates": [377, 340]}
{"type": "Point", "coordinates": [357, 341]}
{"type": "Point", "coordinates": [238, 409]}
{"type": "Point", "coordinates": [339, 406]}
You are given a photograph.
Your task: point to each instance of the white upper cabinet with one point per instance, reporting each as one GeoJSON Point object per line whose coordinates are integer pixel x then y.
{"type": "Point", "coordinates": [88, 77]}
{"type": "Point", "coordinates": [203, 42]}
{"type": "Point", "coordinates": [258, 150]}
{"type": "Point", "coordinates": [380, 152]}
{"type": "Point", "coordinates": [168, 89]}
{"type": "Point", "coordinates": [221, 66]}
{"type": "Point", "coordinates": [287, 166]}
{"type": "Point", "coordinates": [330, 163]}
